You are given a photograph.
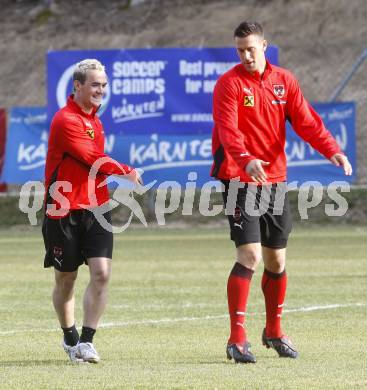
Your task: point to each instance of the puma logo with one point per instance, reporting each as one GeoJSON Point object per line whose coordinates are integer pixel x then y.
{"type": "Point", "coordinates": [238, 225]}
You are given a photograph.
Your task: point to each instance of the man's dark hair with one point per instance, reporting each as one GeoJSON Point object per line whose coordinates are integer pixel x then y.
{"type": "Point", "coordinates": [248, 28]}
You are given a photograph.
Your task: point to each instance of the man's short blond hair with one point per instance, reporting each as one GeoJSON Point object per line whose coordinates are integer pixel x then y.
{"type": "Point", "coordinates": [81, 68]}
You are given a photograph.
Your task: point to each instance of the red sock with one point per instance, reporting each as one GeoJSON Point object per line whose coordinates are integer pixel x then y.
{"type": "Point", "coordinates": [274, 287]}
{"type": "Point", "coordinates": [238, 287]}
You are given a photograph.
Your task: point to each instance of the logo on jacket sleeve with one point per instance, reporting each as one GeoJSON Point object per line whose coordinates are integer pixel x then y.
{"type": "Point", "coordinates": [279, 90]}
{"type": "Point", "coordinates": [249, 101]}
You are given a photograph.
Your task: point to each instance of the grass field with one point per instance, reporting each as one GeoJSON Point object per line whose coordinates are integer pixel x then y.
{"type": "Point", "coordinates": [166, 324]}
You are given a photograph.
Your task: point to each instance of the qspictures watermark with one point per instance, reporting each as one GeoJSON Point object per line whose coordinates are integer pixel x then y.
{"type": "Point", "coordinates": [172, 196]}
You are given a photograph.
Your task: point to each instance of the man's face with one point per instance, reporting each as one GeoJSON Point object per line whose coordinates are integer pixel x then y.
{"type": "Point", "coordinates": [251, 51]}
{"type": "Point", "coordinates": [90, 93]}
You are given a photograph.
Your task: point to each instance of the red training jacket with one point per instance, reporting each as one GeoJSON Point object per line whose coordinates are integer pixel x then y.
{"type": "Point", "coordinates": [250, 114]}
{"type": "Point", "coordinates": [76, 141]}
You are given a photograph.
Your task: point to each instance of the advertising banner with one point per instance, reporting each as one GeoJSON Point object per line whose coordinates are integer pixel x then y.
{"type": "Point", "coordinates": [171, 157]}
{"type": "Point", "coordinates": [2, 146]}
{"type": "Point", "coordinates": [164, 91]}
{"type": "Point", "coordinates": [26, 145]}
{"type": "Point", "coordinates": [304, 163]}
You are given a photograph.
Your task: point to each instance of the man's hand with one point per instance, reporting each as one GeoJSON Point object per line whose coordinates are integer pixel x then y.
{"type": "Point", "coordinates": [134, 177]}
{"type": "Point", "coordinates": [340, 160]}
{"type": "Point", "coordinates": [255, 170]}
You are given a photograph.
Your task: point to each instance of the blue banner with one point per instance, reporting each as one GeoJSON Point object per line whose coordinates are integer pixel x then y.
{"type": "Point", "coordinates": [166, 157]}
{"type": "Point", "coordinates": [26, 145]}
{"type": "Point", "coordinates": [304, 163]}
{"type": "Point", "coordinates": [164, 91]}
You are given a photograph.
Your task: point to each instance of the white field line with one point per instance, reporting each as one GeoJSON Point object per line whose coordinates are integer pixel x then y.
{"type": "Point", "coordinates": [186, 319]}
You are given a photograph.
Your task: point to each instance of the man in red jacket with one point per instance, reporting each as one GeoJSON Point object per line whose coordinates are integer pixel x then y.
{"type": "Point", "coordinates": [71, 231]}
{"type": "Point", "coordinates": [251, 104]}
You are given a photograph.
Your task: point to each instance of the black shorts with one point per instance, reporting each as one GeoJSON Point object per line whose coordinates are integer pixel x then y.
{"type": "Point", "coordinates": [72, 240]}
{"type": "Point", "coordinates": [258, 214]}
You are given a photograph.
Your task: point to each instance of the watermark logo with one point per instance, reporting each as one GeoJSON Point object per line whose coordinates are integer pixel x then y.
{"type": "Point", "coordinates": [171, 196]}
{"type": "Point", "coordinates": [119, 197]}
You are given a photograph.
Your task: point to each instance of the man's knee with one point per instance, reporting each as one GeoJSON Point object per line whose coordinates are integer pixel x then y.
{"type": "Point", "coordinates": [274, 259]}
{"type": "Point", "coordinates": [65, 280]}
{"type": "Point", "coordinates": [100, 271]}
{"type": "Point", "coordinates": [249, 255]}
{"type": "Point", "coordinates": [101, 276]}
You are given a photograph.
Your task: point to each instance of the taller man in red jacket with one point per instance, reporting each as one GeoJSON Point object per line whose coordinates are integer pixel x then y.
{"type": "Point", "coordinates": [71, 231]}
{"type": "Point", "coordinates": [251, 104]}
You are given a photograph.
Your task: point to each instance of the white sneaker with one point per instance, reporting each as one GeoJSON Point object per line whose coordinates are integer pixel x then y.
{"type": "Point", "coordinates": [71, 352]}
{"type": "Point", "coordinates": [87, 353]}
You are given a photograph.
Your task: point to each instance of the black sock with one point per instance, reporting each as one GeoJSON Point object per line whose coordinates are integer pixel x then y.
{"type": "Point", "coordinates": [71, 335]}
{"type": "Point", "coordinates": [87, 335]}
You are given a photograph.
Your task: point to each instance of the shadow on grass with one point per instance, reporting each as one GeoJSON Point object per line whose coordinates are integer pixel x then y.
{"type": "Point", "coordinates": [224, 360]}
{"type": "Point", "coordinates": [36, 363]}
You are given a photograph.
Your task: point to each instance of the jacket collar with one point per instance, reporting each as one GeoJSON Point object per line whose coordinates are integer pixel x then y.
{"type": "Point", "coordinates": [256, 75]}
